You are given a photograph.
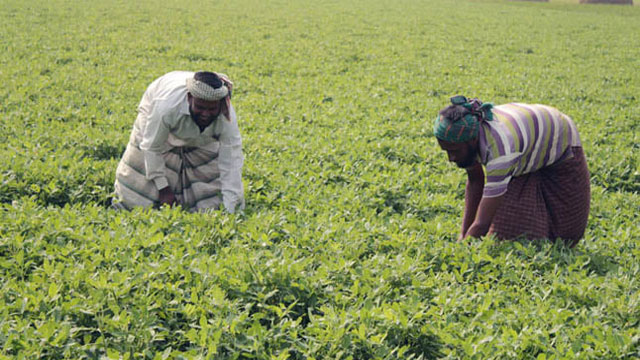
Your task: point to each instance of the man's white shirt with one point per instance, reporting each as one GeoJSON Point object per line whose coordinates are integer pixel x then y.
{"type": "Point", "coordinates": [164, 122]}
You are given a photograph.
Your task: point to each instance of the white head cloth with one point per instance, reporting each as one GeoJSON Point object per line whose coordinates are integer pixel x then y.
{"type": "Point", "coordinates": [205, 92]}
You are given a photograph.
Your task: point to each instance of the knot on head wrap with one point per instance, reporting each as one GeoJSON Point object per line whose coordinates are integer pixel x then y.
{"type": "Point", "coordinates": [466, 126]}
{"type": "Point", "coordinates": [204, 91]}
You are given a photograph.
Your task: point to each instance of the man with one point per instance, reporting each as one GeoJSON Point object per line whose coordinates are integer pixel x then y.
{"type": "Point", "coordinates": [185, 147]}
{"type": "Point", "coordinates": [537, 181]}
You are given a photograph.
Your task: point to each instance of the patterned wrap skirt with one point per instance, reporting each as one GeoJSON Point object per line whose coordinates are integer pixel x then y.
{"type": "Point", "coordinates": [192, 173]}
{"type": "Point", "coordinates": [551, 203]}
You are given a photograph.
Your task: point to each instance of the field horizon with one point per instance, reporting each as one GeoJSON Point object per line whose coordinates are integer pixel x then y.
{"type": "Point", "coordinates": [346, 248]}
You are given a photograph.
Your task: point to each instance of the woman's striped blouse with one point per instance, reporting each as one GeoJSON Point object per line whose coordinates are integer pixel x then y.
{"type": "Point", "coordinates": [521, 139]}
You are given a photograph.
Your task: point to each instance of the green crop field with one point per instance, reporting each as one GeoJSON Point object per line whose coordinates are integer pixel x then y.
{"type": "Point", "coordinates": [346, 249]}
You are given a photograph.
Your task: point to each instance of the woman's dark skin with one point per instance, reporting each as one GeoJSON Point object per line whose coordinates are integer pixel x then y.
{"type": "Point", "coordinates": [478, 210]}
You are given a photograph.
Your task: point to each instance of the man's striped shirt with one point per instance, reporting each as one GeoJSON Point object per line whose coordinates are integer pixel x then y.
{"type": "Point", "coordinates": [521, 139]}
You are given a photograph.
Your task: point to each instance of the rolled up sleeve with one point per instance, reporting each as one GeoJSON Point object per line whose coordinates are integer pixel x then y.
{"type": "Point", "coordinates": [230, 162]}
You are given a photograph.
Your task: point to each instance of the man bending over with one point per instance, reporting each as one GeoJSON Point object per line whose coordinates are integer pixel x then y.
{"type": "Point", "coordinates": [185, 147]}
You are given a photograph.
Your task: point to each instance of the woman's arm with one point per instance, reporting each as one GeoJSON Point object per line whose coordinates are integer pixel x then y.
{"type": "Point", "coordinates": [472, 197]}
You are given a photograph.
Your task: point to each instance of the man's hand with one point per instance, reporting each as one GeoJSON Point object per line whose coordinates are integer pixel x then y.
{"type": "Point", "coordinates": [167, 196]}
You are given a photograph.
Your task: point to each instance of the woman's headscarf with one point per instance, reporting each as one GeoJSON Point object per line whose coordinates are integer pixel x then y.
{"type": "Point", "coordinates": [466, 126]}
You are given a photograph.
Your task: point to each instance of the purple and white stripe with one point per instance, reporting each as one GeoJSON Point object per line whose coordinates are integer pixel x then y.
{"type": "Point", "coordinates": [540, 133]}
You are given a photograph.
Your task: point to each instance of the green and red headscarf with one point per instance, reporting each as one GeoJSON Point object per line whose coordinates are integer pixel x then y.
{"type": "Point", "coordinates": [465, 127]}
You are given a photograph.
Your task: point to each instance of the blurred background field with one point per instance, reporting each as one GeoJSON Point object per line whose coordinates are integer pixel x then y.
{"type": "Point", "coordinates": [346, 248]}
{"type": "Point", "coordinates": [577, 2]}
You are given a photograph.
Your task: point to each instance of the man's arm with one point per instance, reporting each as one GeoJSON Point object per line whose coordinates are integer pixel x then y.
{"type": "Point", "coordinates": [230, 161]}
{"type": "Point", "coordinates": [154, 137]}
{"type": "Point", "coordinates": [472, 196]}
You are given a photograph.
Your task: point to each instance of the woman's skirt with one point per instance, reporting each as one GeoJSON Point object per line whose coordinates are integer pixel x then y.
{"type": "Point", "coordinates": [550, 203]}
